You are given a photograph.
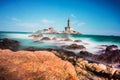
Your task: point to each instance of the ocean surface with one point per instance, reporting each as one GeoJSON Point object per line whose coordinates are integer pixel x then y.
{"type": "Point", "coordinates": [93, 43]}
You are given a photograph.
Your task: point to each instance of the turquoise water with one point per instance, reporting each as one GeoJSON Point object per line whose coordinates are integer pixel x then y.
{"type": "Point", "coordinates": [92, 40]}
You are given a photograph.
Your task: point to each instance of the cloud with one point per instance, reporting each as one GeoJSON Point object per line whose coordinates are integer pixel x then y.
{"type": "Point", "coordinates": [81, 23]}
{"type": "Point", "coordinates": [77, 22]}
{"type": "Point", "coordinates": [19, 23]}
{"type": "Point", "coordinates": [15, 19]}
{"type": "Point", "coordinates": [46, 21]}
{"type": "Point", "coordinates": [72, 15]}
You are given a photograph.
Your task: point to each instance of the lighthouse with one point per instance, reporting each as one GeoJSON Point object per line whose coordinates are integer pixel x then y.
{"type": "Point", "coordinates": [69, 28]}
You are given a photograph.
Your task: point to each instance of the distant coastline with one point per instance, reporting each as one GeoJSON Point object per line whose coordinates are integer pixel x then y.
{"type": "Point", "coordinates": [12, 32]}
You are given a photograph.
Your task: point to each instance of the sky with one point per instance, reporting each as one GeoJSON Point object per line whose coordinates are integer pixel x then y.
{"type": "Point", "coordinates": [101, 17]}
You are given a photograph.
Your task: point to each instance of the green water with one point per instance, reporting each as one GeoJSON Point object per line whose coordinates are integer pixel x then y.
{"type": "Point", "coordinates": [92, 40]}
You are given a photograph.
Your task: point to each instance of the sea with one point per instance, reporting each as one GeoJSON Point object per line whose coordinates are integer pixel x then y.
{"type": "Point", "coordinates": [93, 43]}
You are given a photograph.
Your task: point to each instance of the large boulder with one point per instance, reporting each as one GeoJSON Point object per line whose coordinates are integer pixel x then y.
{"type": "Point", "coordinates": [9, 44]}
{"type": "Point", "coordinates": [38, 65]}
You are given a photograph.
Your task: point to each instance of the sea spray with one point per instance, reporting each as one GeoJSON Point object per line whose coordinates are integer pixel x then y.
{"type": "Point", "coordinates": [91, 42]}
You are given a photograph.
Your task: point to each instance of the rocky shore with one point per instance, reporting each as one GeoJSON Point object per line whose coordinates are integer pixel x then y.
{"type": "Point", "coordinates": [51, 64]}
{"type": "Point", "coordinates": [9, 44]}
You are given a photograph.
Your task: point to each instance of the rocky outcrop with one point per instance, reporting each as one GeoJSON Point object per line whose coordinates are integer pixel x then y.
{"type": "Point", "coordinates": [9, 44]}
{"type": "Point", "coordinates": [75, 46]}
{"type": "Point", "coordinates": [111, 48]}
{"type": "Point", "coordinates": [88, 70]}
{"type": "Point", "coordinates": [95, 71]}
{"type": "Point", "coordinates": [110, 55]}
{"type": "Point", "coordinates": [37, 65]}
{"type": "Point", "coordinates": [26, 65]}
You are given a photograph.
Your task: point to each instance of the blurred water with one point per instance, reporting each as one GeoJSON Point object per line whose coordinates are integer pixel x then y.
{"type": "Point", "coordinates": [92, 41]}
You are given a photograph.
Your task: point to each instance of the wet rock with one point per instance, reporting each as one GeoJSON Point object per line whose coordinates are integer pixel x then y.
{"type": "Point", "coordinates": [54, 38]}
{"type": "Point", "coordinates": [85, 54]}
{"type": "Point", "coordinates": [66, 55]}
{"type": "Point", "coordinates": [75, 46]}
{"type": "Point", "coordinates": [9, 44]}
{"type": "Point", "coordinates": [111, 55]}
{"type": "Point", "coordinates": [77, 41]}
{"type": "Point", "coordinates": [45, 38]}
{"type": "Point", "coordinates": [111, 48]}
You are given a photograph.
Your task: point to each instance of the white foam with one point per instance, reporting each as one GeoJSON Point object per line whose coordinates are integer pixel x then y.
{"type": "Point", "coordinates": [22, 36]}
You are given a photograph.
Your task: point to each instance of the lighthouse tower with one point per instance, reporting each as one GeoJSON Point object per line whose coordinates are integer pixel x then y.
{"type": "Point", "coordinates": [69, 28]}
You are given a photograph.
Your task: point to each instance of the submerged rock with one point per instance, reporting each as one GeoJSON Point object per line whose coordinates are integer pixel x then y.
{"type": "Point", "coordinates": [111, 48]}
{"type": "Point", "coordinates": [45, 38]}
{"type": "Point", "coordinates": [9, 44]}
{"type": "Point", "coordinates": [77, 41]}
{"type": "Point", "coordinates": [75, 46]}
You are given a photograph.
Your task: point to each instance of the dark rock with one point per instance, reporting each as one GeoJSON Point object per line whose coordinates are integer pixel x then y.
{"type": "Point", "coordinates": [9, 44]}
{"type": "Point", "coordinates": [77, 41]}
{"type": "Point", "coordinates": [111, 48]}
{"type": "Point", "coordinates": [65, 55]}
{"type": "Point", "coordinates": [116, 75]}
{"type": "Point", "coordinates": [75, 46]}
{"type": "Point", "coordinates": [86, 70]}
{"type": "Point", "coordinates": [45, 38]}
{"type": "Point", "coordinates": [85, 54]}
{"type": "Point", "coordinates": [30, 49]}
{"type": "Point", "coordinates": [111, 55]}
